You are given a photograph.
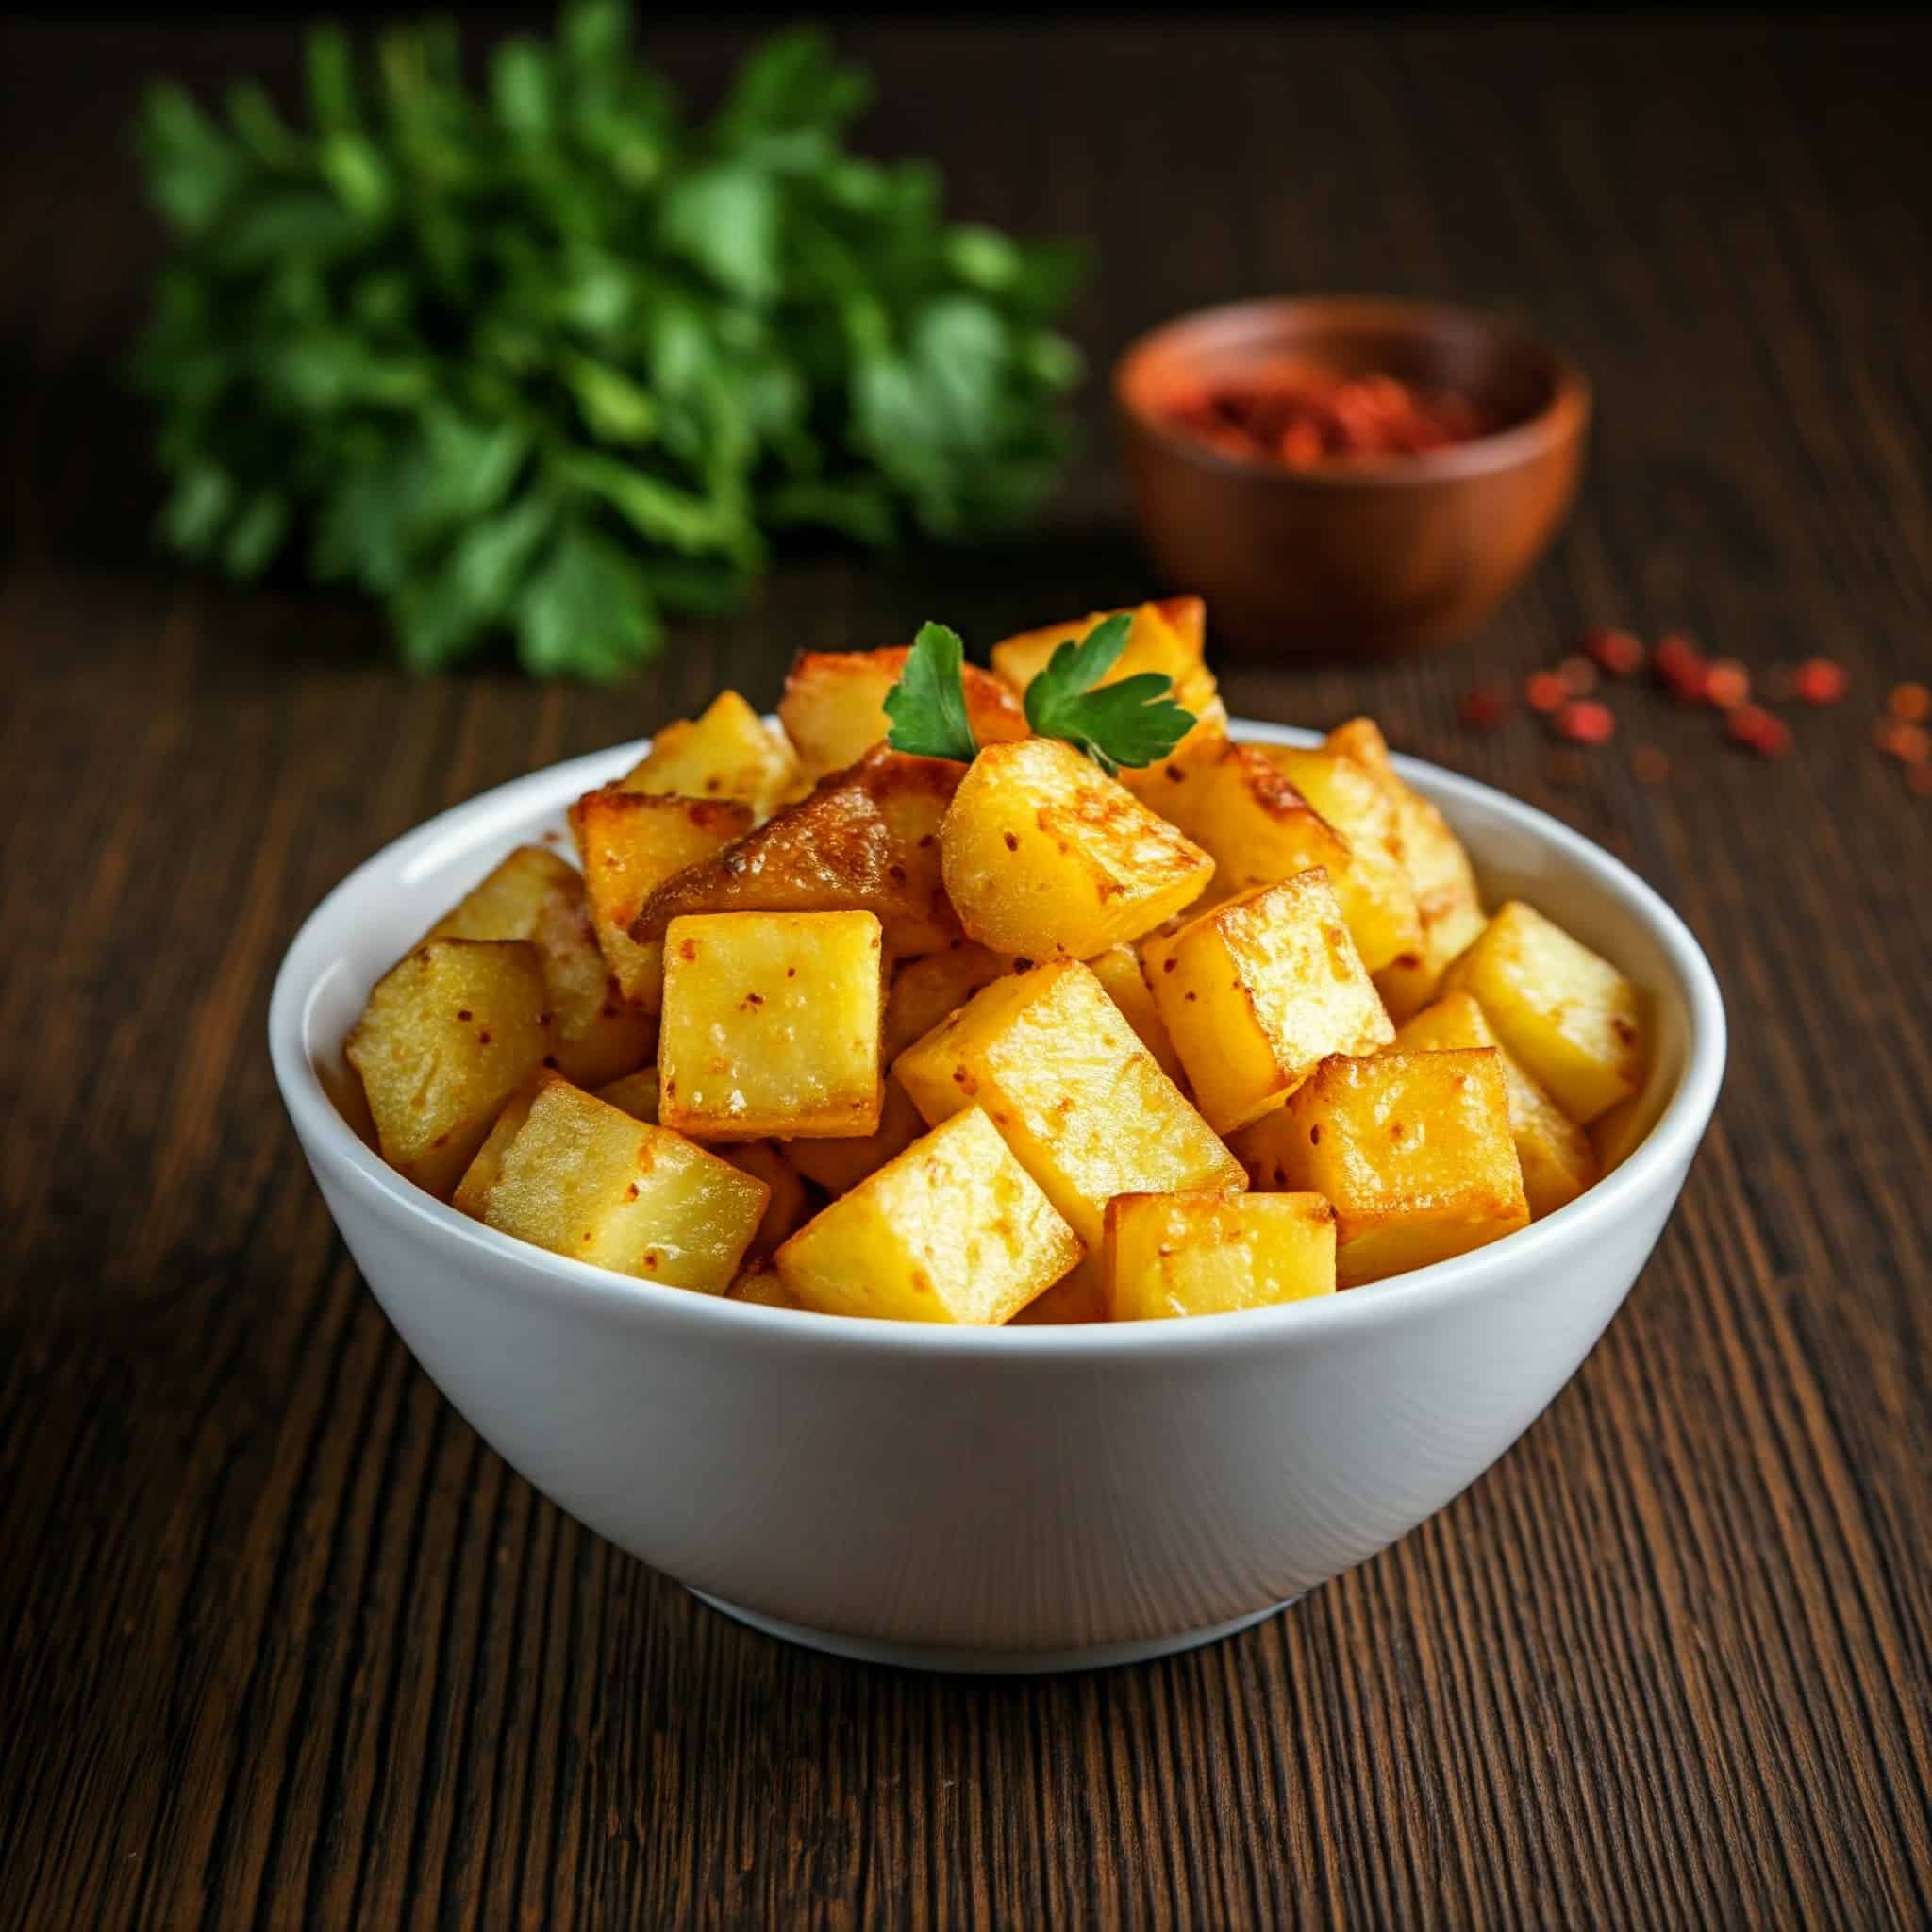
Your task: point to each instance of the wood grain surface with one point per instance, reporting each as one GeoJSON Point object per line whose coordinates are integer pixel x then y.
{"type": "Point", "coordinates": [282, 1643]}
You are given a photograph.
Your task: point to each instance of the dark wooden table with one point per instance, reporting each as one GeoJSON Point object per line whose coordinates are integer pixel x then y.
{"type": "Point", "coordinates": [281, 1642]}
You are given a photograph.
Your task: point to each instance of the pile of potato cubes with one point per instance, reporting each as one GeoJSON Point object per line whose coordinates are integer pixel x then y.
{"type": "Point", "coordinates": [819, 1025]}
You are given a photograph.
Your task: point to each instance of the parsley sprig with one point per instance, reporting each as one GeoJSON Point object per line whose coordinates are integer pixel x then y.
{"type": "Point", "coordinates": [1130, 721]}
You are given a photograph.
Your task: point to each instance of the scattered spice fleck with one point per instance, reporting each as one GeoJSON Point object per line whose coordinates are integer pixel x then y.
{"type": "Point", "coordinates": [1012, 843]}
{"type": "Point", "coordinates": [1727, 683]}
{"type": "Point", "coordinates": [463, 1013]}
{"type": "Point", "coordinates": [1584, 721]}
{"type": "Point", "coordinates": [1615, 651]}
{"type": "Point", "coordinates": [1543, 691]}
{"type": "Point", "coordinates": [1651, 764]}
{"type": "Point", "coordinates": [1754, 727]}
{"type": "Point", "coordinates": [1911, 702]}
{"type": "Point", "coordinates": [1680, 667]}
{"type": "Point", "coordinates": [1820, 681]}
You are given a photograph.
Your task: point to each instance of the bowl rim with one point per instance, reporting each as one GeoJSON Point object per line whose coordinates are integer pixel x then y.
{"type": "Point", "coordinates": [331, 1142]}
{"type": "Point", "coordinates": [1561, 421]}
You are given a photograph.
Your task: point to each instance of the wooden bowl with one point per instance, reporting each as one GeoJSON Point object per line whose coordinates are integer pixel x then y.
{"type": "Point", "coordinates": [1375, 555]}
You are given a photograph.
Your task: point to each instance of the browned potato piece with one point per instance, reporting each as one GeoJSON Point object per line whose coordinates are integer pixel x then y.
{"type": "Point", "coordinates": [507, 904]}
{"type": "Point", "coordinates": [867, 839]}
{"type": "Point", "coordinates": [1048, 857]}
{"type": "Point", "coordinates": [834, 706]}
{"type": "Point", "coordinates": [925, 990]}
{"type": "Point", "coordinates": [787, 1207]}
{"type": "Point", "coordinates": [1072, 1301]}
{"type": "Point", "coordinates": [759, 1284]}
{"type": "Point", "coordinates": [1118, 969]}
{"type": "Point", "coordinates": [1167, 1255]}
{"type": "Point", "coordinates": [451, 1031]}
{"type": "Point", "coordinates": [480, 1176]}
{"type": "Point", "coordinates": [631, 843]}
{"type": "Point", "coordinates": [730, 752]}
{"type": "Point", "coordinates": [839, 1162]}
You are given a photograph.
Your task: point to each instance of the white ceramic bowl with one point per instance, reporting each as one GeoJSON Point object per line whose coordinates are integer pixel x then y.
{"type": "Point", "coordinates": [1029, 1498]}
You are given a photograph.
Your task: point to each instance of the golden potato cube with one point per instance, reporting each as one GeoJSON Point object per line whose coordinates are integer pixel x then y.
{"type": "Point", "coordinates": [834, 707]}
{"type": "Point", "coordinates": [1081, 1102]}
{"type": "Point", "coordinates": [1046, 857]}
{"type": "Point", "coordinates": [508, 904]}
{"type": "Point", "coordinates": [841, 1163]}
{"type": "Point", "coordinates": [867, 839]}
{"type": "Point", "coordinates": [1257, 991]}
{"type": "Point", "coordinates": [584, 1179]}
{"type": "Point", "coordinates": [925, 990]}
{"type": "Point", "coordinates": [1074, 1300]}
{"type": "Point", "coordinates": [759, 1284]}
{"type": "Point", "coordinates": [1573, 1020]}
{"type": "Point", "coordinates": [1118, 969]}
{"type": "Point", "coordinates": [1412, 1150]}
{"type": "Point", "coordinates": [636, 1095]}
{"type": "Point", "coordinates": [1374, 891]}
{"type": "Point", "coordinates": [1214, 1254]}
{"type": "Point", "coordinates": [730, 752]}
{"type": "Point", "coordinates": [1557, 1159]}
{"type": "Point", "coordinates": [787, 1207]}
{"type": "Point", "coordinates": [952, 1230]}
{"type": "Point", "coordinates": [480, 1176]}
{"type": "Point", "coordinates": [450, 1032]}
{"type": "Point", "coordinates": [771, 1024]}
{"type": "Point", "coordinates": [1617, 1133]}
{"type": "Point", "coordinates": [631, 842]}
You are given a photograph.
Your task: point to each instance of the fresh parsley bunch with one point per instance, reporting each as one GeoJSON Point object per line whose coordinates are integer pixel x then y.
{"type": "Point", "coordinates": [549, 359]}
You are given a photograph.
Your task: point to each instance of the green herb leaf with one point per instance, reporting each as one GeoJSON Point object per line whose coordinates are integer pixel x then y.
{"type": "Point", "coordinates": [1132, 722]}
{"type": "Point", "coordinates": [927, 706]}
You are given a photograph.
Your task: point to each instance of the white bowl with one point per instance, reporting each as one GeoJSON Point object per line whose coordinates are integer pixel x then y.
{"type": "Point", "coordinates": [1010, 1499]}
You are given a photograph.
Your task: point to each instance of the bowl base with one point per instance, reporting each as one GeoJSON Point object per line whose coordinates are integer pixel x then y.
{"type": "Point", "coordinates": [1003, 1663]}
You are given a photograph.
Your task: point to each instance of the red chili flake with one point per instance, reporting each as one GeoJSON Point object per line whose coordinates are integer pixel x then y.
{"type": "Point", "coordinates": [1482, 709]}
{"type": "Point", "coordinates": [1820, 681]}
{"type": "Point", "coordinates": [1586, 721]}
{"type": "Point", "coordinates": [1651, 765]}
{"type": "Point", "coordinates": [1578, 676]}
{"type": "Point", "coordinates": [1544, 690]}
{"type": "Point", "coordinates": [1911, 702]}
{"type": "Point", "coordinates": [1727, 683]}
{"type": "Point", "coordinates": [1615, 651]}
{"type": "Point", "coordinates": [1681, 666]}
{"type": "Point", "coordinates": [1755, 728]}
{"type": "Point", "coordinates": [1911, 744]}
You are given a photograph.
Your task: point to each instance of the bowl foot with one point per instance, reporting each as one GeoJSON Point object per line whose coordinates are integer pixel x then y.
{"type": "Point", "coordinates": [922, 1656]}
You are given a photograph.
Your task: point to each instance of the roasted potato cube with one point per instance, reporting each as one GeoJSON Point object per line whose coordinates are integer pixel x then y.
{"type": "Point", "coordinates": [834, 706]}
{"type": "Point", "coordinates": [867, 839]}
{"type": "Point", "coordinates": [1118, 969]}
{"type": "Point", "coordinates": [1413, 1151]}
{"type": "Point", "coordinates": [631, 842]}
{"type": "Point", "coordinates": [584, 1179]}
{"type": "Point", "coordinates": [925, 990]}
{"type": "Point", "coordinates": [1573, 1020]}
{"type": "Point", "coordinates": [771, 1024]}
{"type": "Point", "coordinates": [1214, 1254]}
{"type": "Point", "coordinates": [1617, 1133]}
{"type": "Point", "coordinates": [450, 1032]}
{"type": "Point", "coordinates": [1257, 991]}
{"type": "Point", "coordinates": [1064, 1077]}
{"type": "Point", "coordinates": [787, 1207]}
{"type": "Point", "coordinates": [841, 1163]}
{"type": "Point", "coordinates": [1557, 1160]}
{"type": "Point", "coordinates": [952, 1230]}
{"type": "Point", "coordinates": [1377, 898]}
{"type": "Point", "coordinates": [636, 1095]}
{"type": "Point", "coordinates": [480, 1176]}
{"type": "Point", "coordinates": [1074, 1300]}
{"type": "Point", "coordinates": [1048, 857]}
{"type": "Point", "coordinates": [730, 752]}
{"type": "Point", "coordinates": [1438, 867]}
{"type": "Point", "coordinates": [759, 1284]}
{"type": "Point", "coordinates": [508, 904]}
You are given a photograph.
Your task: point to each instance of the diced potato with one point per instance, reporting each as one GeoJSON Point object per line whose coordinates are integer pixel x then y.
{"type": "Point", "coordinates": [1257, 991]}
{"type": "Point", "coordinates": [507, 904]}
{"type": "Point", "coordinates": [533, 894]}
{"type": "Point", "coordinates": [952, 1230]}
{"type": "Point", "coordinates": [925, 990]}
{"type": "Point", "coordinates": [1080, 1100]}
{"type": "Point", "coordinates": [1214, 1254]}
{"type": "Point", "coordinates": [1048, 857]}
{"type": "Point", "coordinates": [1118, 969]}
{"type": "Point", "coordinates": [584, 1179]}
{"type": "Point", "coordinates": [1617, 1133]}
{"type": "Point", "coordinates": [834, 706]}
{"type": "Point", "coordinates": [1439, 869]}
{"type": "Point", "coordinates": [730, 752]}
{"type": "Point", "coordinates": [1557, 1159]}
{"type": "Point", "coordinates": [839, 1164]}
{"type": "Point", "coordinates": [771, 1024]}
{"type": "Point", "coordinates": [450, 1032]}
{"type": "Point", "coordinates": [1413, 1151]}
{"type": "Point", "coordinates": [631, 842]}
{"type": "Point", "coordinates": [1573, 1020]}
{"type": "Point", "coordinates": [760, 1284]}
{"type": "Point", "coordinates": [789, 1207]}
{"type": "Point", "coordinates": [1073, 1299]}
{"type": "Point", "coordinates": [480, 1176]}
{"type": "Point", "coordinates": [1377, 898]}
{"type": "Point", "coordinates": [868, 838]}
{"type": "Point", "coordinates": [636, 1093]}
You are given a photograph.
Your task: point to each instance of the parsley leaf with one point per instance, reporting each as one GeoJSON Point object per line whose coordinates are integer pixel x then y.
{"type": "Point", "coordinates": [1132, 722]}
{"type": "Point", "coordinates": [927, 706]}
